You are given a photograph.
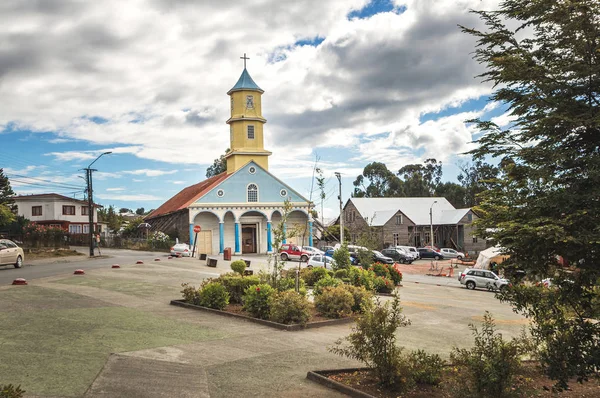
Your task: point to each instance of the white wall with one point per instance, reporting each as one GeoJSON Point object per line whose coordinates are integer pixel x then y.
{"type": "Point", "coordinates": [52, 210]}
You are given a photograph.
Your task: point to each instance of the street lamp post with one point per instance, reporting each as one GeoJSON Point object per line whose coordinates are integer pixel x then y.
{"type": "Point", "coordinates": [89, 171]}
{"type": "Point", "coordinates": [431, 224]}
{"type": "Point", "coordinates": [339, 177]}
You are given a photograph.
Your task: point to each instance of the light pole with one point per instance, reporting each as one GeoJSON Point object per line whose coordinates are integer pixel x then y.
{"type": "Point", "coordinates": [431, 224]}
{"type": "Point", "coordinates": [89, 171]}
{"type": "Point", "coordinates": [339, 177]}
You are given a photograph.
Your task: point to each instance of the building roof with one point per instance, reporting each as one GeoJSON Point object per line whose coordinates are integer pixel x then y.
{"type": "Point", "coordinates": [187, 196]}
{"type": "Point", "coordinates": [245, 82]}
{"type": "Point", "coordinates": [43, 196]}
{"type": "Point", "coordinates": [380, 210]}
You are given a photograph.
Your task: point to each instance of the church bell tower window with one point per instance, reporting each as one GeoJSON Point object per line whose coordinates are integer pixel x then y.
{"type": "Point", "coordinates": [250, 132]}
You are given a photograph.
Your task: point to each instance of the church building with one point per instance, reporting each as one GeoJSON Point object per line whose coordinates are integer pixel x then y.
{"type": "Point", "coordinates": [240, 207]}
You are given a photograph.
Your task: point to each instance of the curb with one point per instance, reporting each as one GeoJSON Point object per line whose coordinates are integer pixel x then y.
{"type": "Point", "coordinates": [320, 377]}
{"type": "Point", "coordinates": [281, 326]}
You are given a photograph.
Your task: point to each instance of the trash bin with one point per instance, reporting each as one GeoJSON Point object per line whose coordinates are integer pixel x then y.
{"type": "Point", "coordinates": [247, 263]}
{"type": "Point", "coordinates": [211, 262]}
{"type": "Point", "coordinates": [227, 254]}
{"type": "Point", "coordinates": [202, 256]}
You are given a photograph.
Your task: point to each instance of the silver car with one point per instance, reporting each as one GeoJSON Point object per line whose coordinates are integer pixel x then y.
{"type": "Point", "coordinates": [451, 253]}
{"type": "Point", "coordinates": [473, 278]}
{"type": "Point", "coordinates": [11, 253]}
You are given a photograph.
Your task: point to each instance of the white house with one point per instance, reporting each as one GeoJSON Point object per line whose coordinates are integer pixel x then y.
{"type": "Point", "coordinates": [56, 210]}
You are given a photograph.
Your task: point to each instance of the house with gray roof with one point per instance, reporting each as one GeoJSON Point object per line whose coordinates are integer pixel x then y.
{"type": "Point", "coordinates": [407, 222]}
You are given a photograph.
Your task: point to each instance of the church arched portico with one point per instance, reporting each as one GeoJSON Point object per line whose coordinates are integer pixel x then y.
{"type": "Point", "coordinates": [209, 238]}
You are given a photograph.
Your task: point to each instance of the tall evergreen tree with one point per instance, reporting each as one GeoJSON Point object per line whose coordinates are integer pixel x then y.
{"type": "Point", "coordinates": [543, 57]}
{"type": "Point", "coordinates": [476, 177]}
{"type": "Point", "coordinates": [421, 179]}
{"type": "Point", "coordinates": [219, 165]}
{"type": "Point", "coordinates": [6, 191]}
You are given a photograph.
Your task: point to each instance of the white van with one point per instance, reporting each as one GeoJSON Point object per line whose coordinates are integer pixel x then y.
{"type": "Point", "coordinates": [410, 250]}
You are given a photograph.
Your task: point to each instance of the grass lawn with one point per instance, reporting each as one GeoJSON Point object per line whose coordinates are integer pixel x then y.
{"type": "Point", "coordinates": [55, 342]}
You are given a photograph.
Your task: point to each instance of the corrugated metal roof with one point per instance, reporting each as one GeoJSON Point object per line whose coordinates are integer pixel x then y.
{"type": "Point", "coordinates": [187, 196]}
{"type": "Point", "coordinates": [380, 210]}
{"type": "Point", "coordinates": [245, 82]}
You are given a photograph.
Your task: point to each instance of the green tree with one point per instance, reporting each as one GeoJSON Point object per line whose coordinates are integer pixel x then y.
{"type": "Point", "coordinates": [6, 192]}
{"type": "Point", "coordinates": [219, 165]}
{"type": "Point", "coordinates": [332, 233]}
{"type": "Point", "coordinates": [6, 216]}
{"type": "Point", "coordinates": [140, 211]}
{"type": "Point", "coordinates": [455, 193]}
{"type": "Point", "coordinates": [376, 181]}
{"type": "Point", "coordinates": [421, 179]}
{"type": "Point", "coordinates": [476, 177]}
{"type": "Point", "coordinates": [543, 57]}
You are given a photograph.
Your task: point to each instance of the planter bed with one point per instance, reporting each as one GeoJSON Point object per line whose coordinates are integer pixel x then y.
{"type": "Point", "coordinates": [361, 383]}
{"type": "Point", "coordinates": [235, 311]}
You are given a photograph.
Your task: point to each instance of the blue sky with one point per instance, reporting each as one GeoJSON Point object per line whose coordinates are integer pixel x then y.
{"type": "Point", "coordinates": [349, 82]}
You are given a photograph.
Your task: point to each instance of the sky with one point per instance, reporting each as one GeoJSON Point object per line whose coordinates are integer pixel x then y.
{"type": "Point", "coordinates": [346, 83]}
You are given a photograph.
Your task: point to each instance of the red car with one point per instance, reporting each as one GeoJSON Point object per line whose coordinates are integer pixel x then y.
{"type": "Point", "coordinates": [293, 252]}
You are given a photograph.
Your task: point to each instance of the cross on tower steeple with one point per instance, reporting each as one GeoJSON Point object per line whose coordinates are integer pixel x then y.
{"type": "Point", "coordinates": [244, 58]}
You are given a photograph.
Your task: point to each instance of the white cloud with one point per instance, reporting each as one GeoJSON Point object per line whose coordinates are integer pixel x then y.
{"type": "Point", "coordinates": [503, 120]}
{"type": "Point", "coordinates": [146, 78]}
{"type": "Point", "coordinates": [150, 172]}
{"type": "Point", "coordinates": [132, 197]}
{"type": "Point", "coordinates": [115, 189]}
{"type": "Point", "coordinates": [179, 182]}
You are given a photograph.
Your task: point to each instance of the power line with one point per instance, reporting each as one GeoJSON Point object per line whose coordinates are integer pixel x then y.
{"type": "Point", "coordinates": [45, 185]}
{"type": "Point", "coordinates": [66, 185]}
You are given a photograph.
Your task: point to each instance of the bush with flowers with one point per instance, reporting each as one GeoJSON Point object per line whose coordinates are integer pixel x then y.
{"type": "Point", "coordinates": [361, 277]}
{"type": "Point", "coordinates": [257, 300]}
{"type": "Point", "coordinates": [383, 285]}
{"type": "Point", "coordinates": [159, 240]}
{"type": "Point", "coordinates": [36, 235]}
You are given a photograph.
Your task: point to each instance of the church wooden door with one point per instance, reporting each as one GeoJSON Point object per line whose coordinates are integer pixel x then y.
{"type": "Point", "coordinates": [204, 242]}
{"type": "Point", "coordinates": [248, 239]}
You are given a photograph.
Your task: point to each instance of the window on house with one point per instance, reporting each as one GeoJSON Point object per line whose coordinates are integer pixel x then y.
{"type": "Point", "coordinates": [354, 238]}
{"type": "Point", "coordinates": [86, 228]}
{"type": "Point", "coordinates": [230, 133]}
{"type": "Point", "coordinates": [474, 239]}
{"type": "Point", "coordinates": [353, 215]}
{"type": "Point", "coordinates": [470, 216]}
{"type": "Point", "coordinates": [75, 228]}
{"type": "Point", "coordinates": [396, 240]}
{"type": "Point", "coordinates": [399, 219]}
{"type": "Point", "coordinates": [69, 210]}
{"type": "Point", "coordinates": [250, 132]}
{"type": "Point", "coordinates": [84, 211]}
{"type": "Point", "coordinates": [252, 193]}
{"type": "Point", "coordinates": [54, 225]}
{"type": "Point", "coordinates": [36, 210]}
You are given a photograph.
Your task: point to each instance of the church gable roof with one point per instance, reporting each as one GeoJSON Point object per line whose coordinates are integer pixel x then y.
{"type": "Point", "coordinates": [245, 82]}
{"type": "Point", "coordinates": [187, 196]}
{"type": "Point", "coordinates": [236, 185]}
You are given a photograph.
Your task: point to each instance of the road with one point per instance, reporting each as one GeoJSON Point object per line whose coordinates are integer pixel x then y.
{"type": "Point", "coordinates": [42, 268]}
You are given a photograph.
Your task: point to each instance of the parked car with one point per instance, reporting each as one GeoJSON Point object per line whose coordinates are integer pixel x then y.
{"type": "Point", "coordinates": [312, 250]}
{"type": "Point", "coordinates": [451, 253]}
{"type": "Point", "coordinates": [425, 252]}
{"type": "Point", "coordinates": [473, 278]}
{"type": "Point", "coordinates": [181, 249]}
{"type": "Point", "coordinates": [411, 250]}
{"type": "Point", "coordinates": [398, 255]}
{"type": "Point", "coordinates": [378, 257]}
{"type": "Point", "coordinates": [320, 260]}
{"type": "Point", "coordinates": [293, 252]}
{"type": "Point", "coordinates": [11, 253]}
{"type": "Point", "coordinates": [325, 248]}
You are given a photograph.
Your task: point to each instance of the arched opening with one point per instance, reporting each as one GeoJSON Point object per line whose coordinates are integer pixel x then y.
{"type": "Point", "coordinates": [253, 225]}
{"type": "Point", "coordinates": [207, 241]}
{"type": "Point", "coordinates": [297, 228]}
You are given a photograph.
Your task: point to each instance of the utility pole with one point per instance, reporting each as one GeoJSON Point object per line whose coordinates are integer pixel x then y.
{"type": "Point", "coordinates": [431, 224]}
{"type": "Point", "coordinates": [90, 198]}
{"type": "Point", "coordinates": [339, 177]}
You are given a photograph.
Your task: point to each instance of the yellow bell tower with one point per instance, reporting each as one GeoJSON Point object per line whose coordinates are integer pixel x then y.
{"type": "Point", "coordinates": [246, 124]}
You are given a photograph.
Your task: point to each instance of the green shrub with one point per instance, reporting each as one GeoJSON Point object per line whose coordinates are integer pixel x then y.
{"type": "Point", "coordinates": [334, 302]}
{"type": "Point", "coordinates": [341, 273]}
{"type": "Point", "coordinates": [214, 295]}
{"type": "Point", "coordinates": [489, 367]}
{"type": "Point", "coordinates": [190, 294]}
{"type": "Point", "coordinates": [327, 281]}
{"type": "Point", "coordinates": [312, 275]}
{"type": "Point", "coordinates": [363, 298]}
{"type": "Point", "coordinates": [342, 258]}
{"type": "Point", "coordinates": [365, 258]}
{"type": "Point", "coordinates": [10, 391]}
{"type": "Point", "coordinates": [289, 307]}
{"type": "Point", "coordinates": [290, 284]}
{"type": "Point", "coordinates": [426, 368]}
{"type": "Point", "coordinates": [383, 285]}
{"type": "Point", "coordinates": [361, 277]}
{"type": "Point", "coordinates": [238, 266]}
{"type": "Point", "coordinates": [382, 270]}
{"type": "Point", "coordinates": [373, 342]}
{"type": "Point", "coordinates": [257, 300]}
{"type": "Point", "coordinates": [396, 276]}
{"type": "Point", "coordinates": [236, 285]}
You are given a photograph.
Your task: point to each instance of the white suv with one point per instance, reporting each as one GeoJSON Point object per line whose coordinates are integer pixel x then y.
{"type": "Point", "coordinates": [473, 278]}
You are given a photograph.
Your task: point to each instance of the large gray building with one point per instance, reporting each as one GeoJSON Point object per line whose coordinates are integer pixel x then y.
{"type": "Point", "coordinates": [406, 221]}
